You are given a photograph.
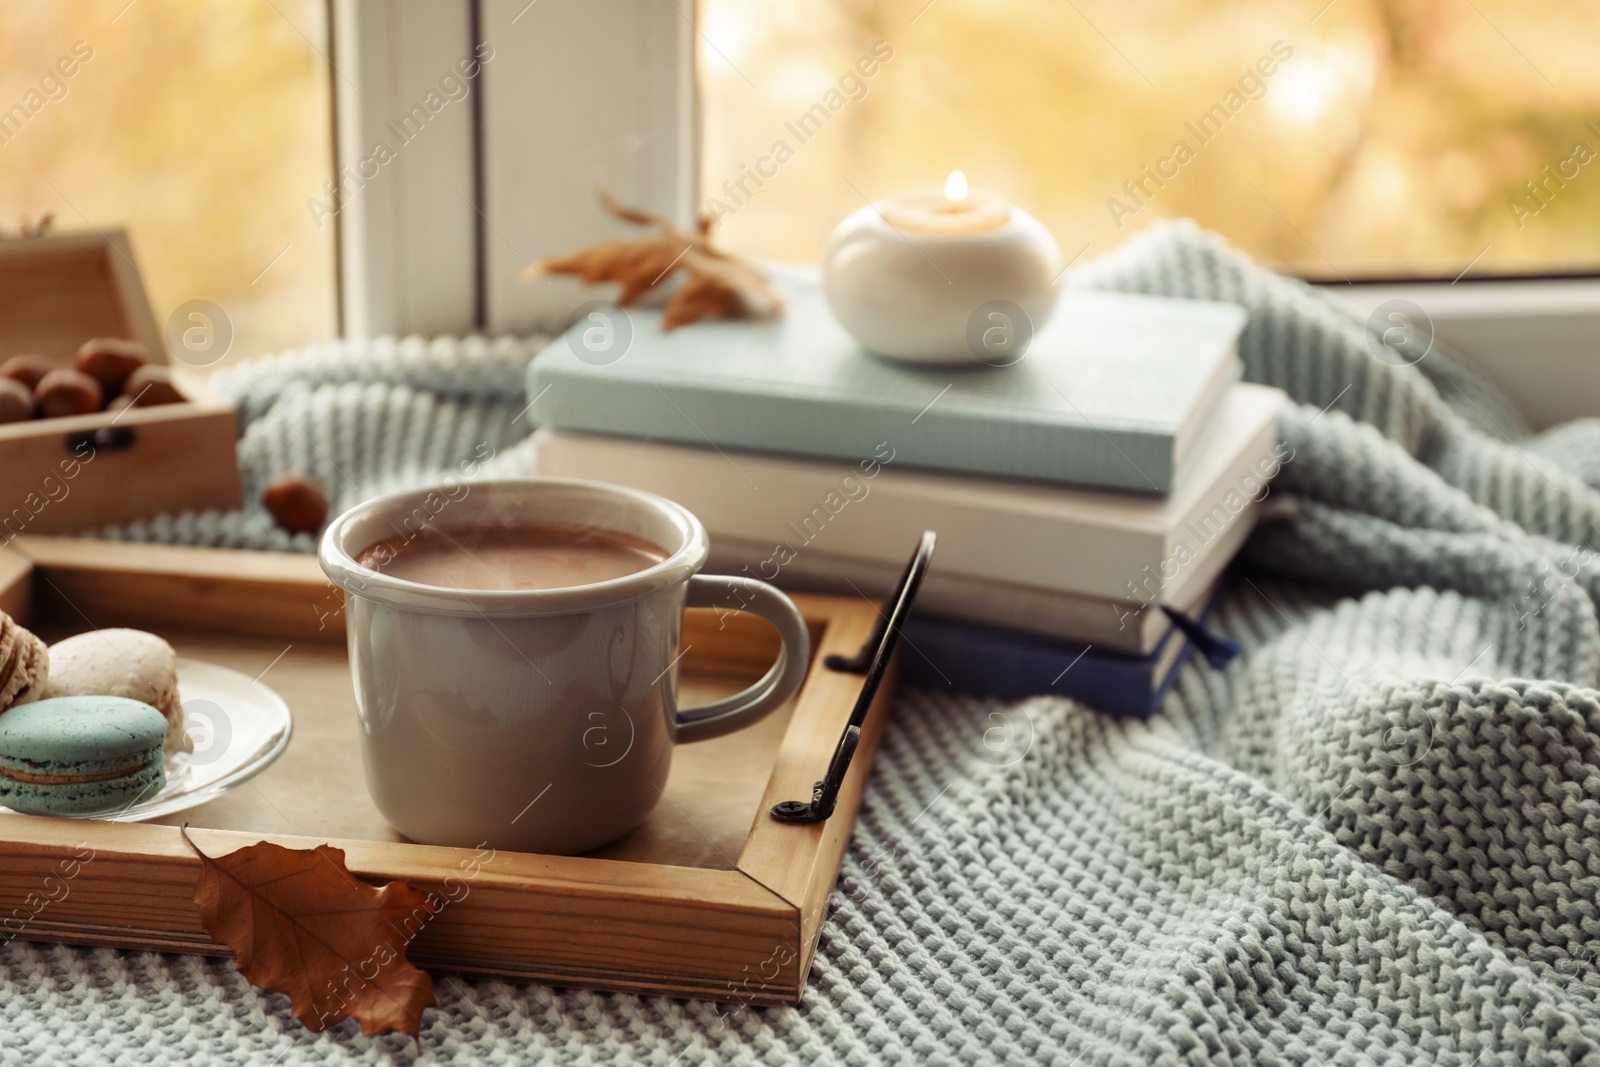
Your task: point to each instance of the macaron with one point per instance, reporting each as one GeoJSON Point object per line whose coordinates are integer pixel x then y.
{"type": "Point", "coordinates": [81, 755]}
{"type": "Point", "coordinates": [121, 663]}
{"type": "Point", "coordinates": [24, 664]}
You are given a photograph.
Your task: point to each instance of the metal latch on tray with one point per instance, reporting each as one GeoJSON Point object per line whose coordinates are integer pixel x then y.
{"type": "Point", "coordinates": [872, 660]}
{"type": "Point", "coordinates": [105, 439]}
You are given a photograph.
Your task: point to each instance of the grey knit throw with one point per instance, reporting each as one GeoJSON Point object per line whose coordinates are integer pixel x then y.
{"type": "Point", "coordinates": [1373, 838]}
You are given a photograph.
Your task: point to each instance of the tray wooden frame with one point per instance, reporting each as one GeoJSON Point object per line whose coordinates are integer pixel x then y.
{"type": "Point", "coordinates": [746, 935]}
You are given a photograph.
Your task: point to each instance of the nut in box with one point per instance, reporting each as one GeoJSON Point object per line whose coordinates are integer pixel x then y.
{"type": "Point", "coordinates": [93, 429]}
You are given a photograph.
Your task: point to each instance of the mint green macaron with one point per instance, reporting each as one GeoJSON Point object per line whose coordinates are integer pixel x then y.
{"type": "Point", "coordinates": [84, 755]}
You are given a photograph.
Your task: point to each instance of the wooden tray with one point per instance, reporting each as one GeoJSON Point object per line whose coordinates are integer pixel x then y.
{"type": "Point", "coordinates": [711, 898]}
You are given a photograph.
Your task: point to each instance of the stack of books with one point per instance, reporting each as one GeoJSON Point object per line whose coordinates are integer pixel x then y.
{"type": "Point", "coordinates": [1079, 494]}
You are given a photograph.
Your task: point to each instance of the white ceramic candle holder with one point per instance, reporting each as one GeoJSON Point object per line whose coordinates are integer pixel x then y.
{"type": "Point", "coordinates": [941, 279]}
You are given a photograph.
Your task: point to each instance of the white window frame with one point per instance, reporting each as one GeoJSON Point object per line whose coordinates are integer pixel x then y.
{"type": "Point", "coordinates": [1537, 339]}
{"type": "Point", "coordinates": [408, 233]}
{"type": "Point", "coordinates": [584, 94]}
{"type": "Point", "coordinates": [575, 95]}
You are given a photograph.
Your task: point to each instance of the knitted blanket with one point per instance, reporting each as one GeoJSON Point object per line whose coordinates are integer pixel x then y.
{"type": "Point", "coordinates": [1375, 837]}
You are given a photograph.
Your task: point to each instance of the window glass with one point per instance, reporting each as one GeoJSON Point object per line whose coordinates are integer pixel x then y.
{"type": "Point", "coordinates": [1343, 139]}
{"type": "Point", "coordinates": [202, 127]}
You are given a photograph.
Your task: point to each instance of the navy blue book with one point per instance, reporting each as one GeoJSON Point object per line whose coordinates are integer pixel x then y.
{"type": "Point", "coordinates": [942, 654]}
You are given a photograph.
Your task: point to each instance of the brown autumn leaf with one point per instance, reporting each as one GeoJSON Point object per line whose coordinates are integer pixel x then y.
{"type": "Point", "coordinates": [300, 923]}
{"type": "Point", "coordinates": [718, 285]}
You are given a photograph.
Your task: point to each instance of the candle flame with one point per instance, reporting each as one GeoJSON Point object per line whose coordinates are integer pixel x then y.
{"type": "Point", "coordinates": [955, 187]}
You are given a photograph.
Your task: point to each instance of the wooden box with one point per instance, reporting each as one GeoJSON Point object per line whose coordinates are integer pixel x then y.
{"type": "Point", "coordinates": [711, 898]}
{"type": "Point", "coordinates": [67, 474]}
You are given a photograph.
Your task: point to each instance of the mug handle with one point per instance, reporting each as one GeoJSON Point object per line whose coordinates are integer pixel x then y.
{"type": "Point", "coordinates": [777, 685]}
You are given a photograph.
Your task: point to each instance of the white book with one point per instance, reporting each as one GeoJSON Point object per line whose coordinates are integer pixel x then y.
{"type": "Point", "coordinates": [1065, 561]}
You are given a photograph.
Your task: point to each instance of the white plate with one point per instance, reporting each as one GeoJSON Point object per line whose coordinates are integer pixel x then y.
{"type": "Point", "coordinates": [236, 726]}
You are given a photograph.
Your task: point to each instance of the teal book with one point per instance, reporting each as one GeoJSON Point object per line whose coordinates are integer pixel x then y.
{"type": "Point", "coordinates": [1115, 390]}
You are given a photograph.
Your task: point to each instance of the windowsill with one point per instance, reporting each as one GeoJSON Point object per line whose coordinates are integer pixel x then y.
{"type": "Point", "coordinates": [1537, 340]}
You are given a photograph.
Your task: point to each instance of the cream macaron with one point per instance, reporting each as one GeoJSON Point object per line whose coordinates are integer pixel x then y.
{"type": "Point", "coordinates": [121, 663]}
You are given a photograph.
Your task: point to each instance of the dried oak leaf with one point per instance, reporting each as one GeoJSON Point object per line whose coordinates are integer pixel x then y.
{"type": "Point", "coordinates": [718, 285]}
{"type": "Point", "coordinates": [302, 924]}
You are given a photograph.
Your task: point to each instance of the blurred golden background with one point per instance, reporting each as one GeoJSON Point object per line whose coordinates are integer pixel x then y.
{"type": "Point", "coordinates": [203, 126]}
{"type": "Point", "coordinates": [1390, 143]}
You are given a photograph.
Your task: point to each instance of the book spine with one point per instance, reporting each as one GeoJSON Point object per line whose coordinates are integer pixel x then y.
{"type": "Point", "coordinates": [997, 544]}
{"type": "Point", "coordinates": [1009, 667]}
{"type": "Point", "coordinates": [1119, 458]}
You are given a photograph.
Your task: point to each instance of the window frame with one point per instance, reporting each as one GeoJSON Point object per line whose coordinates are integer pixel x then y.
{"type": "Point", "coordinates": [434, 245]}
{"type": "Point", "coordinates": [408, 246]}
{"type": "Point", "coordinates": [418, 255]}
{"type": "Point", "coordinates": [1536, 339]}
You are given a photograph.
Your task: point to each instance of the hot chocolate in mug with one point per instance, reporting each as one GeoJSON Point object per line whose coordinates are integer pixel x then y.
{"type": "Point", "coordinates": [533, 719]}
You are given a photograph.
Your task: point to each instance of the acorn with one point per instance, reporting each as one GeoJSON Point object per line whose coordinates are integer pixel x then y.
{"type": "Point", "coordinates": [67, 392]}
{"type": "Point", "coordinates": [27, 369]}
{"type": "Point", "coordinates": [109, 361]}
{"type": "Point", "coordinates": [16, 401]}
{"type": "Point", "coordinates": [297, 504]}
{"type": "Point", "coordinates": [150, 386]}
